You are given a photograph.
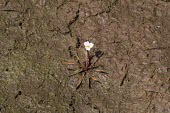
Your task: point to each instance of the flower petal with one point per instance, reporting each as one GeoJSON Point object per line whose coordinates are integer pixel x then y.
{"type": "Point", "coordinates": [86, 43]}
{"type": "Point", "coordinates": [91, 45]}
{"type": "Point", "coordinates": [88, 49]}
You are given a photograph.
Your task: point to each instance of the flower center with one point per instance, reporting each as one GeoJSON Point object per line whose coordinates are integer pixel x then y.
{"type": "Point", "coordinates": [88, 46]}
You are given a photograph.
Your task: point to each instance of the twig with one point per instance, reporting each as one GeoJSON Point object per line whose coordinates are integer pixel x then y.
{"type": "Point", "coordinates": [96, 60]}
{"type": "Point", "coordinates": [80, 80]}
{"type": "Point", "coordinates": [77, 73]}
{"type": "Point", "coordinates": [125, 75]}
{"type": "Point", "coordinates": [101, 71]}
{"type": "Point", "coordinates": [122, 82]}
{"type": "Point", "coordinates": [69, 63]}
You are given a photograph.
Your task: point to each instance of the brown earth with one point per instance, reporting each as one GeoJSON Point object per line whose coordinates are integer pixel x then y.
{"type": "Point", "coordinates": [133, 34]}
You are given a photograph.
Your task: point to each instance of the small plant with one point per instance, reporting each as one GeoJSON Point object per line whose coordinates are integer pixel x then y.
{"type": "Point", "coordinates": [87, 65]}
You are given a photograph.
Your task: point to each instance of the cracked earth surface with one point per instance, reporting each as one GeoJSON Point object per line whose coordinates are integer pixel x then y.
{"type": "Point", "coordinates": [133, 34]}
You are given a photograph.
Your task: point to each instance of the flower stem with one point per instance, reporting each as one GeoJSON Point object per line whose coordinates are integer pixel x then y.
{"type": "Point", "coordinates": [87, 58]}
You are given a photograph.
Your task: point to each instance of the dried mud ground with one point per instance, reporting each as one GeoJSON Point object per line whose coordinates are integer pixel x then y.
{"type": "Point", "coordinates": [133, 34]}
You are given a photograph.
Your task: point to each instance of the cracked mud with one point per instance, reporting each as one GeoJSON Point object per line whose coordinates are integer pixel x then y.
{"type": "Point", "coordinates": [133, 34]}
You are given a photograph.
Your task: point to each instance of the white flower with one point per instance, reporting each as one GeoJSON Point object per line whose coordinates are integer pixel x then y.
{"type": "Point", "coordinates": [88, 45]}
